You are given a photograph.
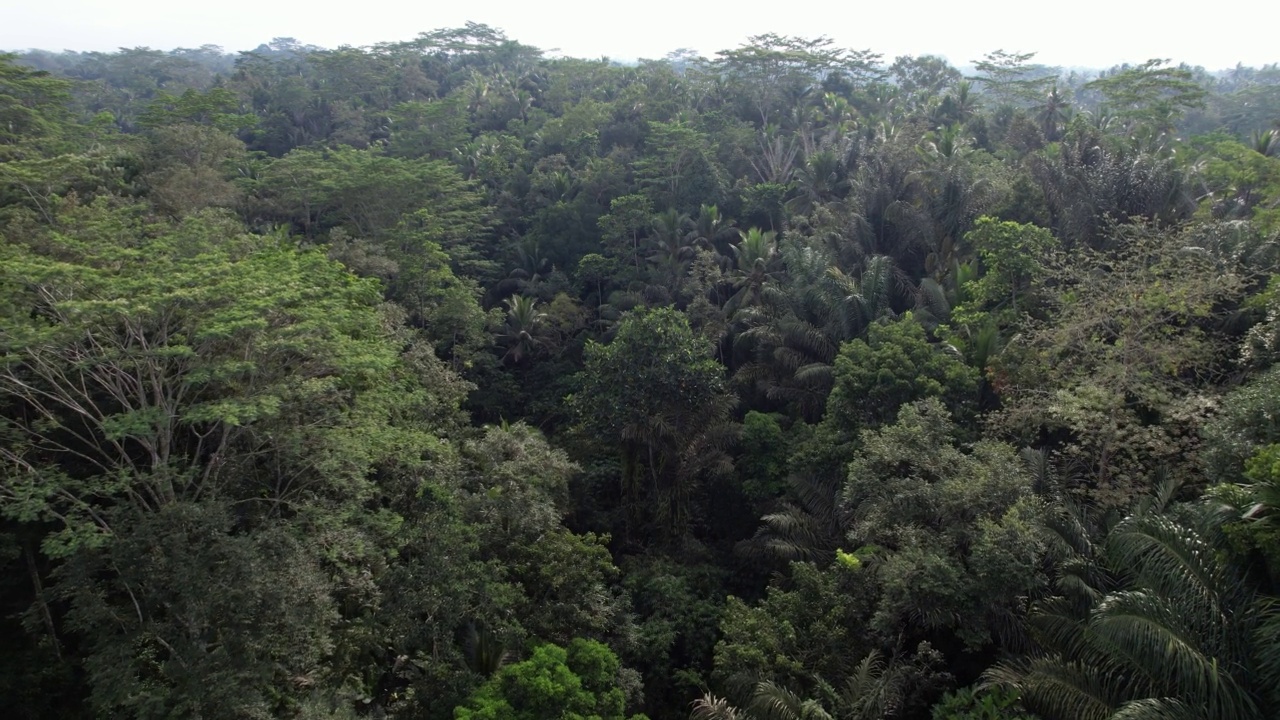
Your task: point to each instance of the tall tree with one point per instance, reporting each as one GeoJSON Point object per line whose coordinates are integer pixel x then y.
{"type": "Point", "coordinates": [186, 403]}
{"type": "Point", "coordinates": [656, 393]}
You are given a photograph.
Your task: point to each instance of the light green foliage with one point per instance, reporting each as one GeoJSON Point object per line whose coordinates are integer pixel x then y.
{"type": "Point", "coordinates": [186, 404]}
{"type": "Point", "coordinates": [595, 271]}
{"type": "Point", "coordinates": [1261, 345]}
{"type": "Point", "coordinates": [923, 80]}
{"type": "Point", "coordinates": [418, 276]}
{"type": "Point", "coordinates": [1013, 258]}
{"type": "Point", "coordinates": [1010, 77]}
{"type": "Point", "coordinates": [957, 529]}
{"type": "Point", "coordinates": [189, 343]}
{"type": "Point", "coordinates": [1246, 423]}
{"type": "Point", "coordinates": [190, 166]}
{"type": "Point", "coordinates": [1264, 466]}
{"type": "Point", "coordinates": [373, 195]}
{"type": "Point", "coordinates": [629, 219]}
{"type": "Point", "coordinates": [33, 112]}
{"type": "Point", "coordinates": [1242, 455]}
{"type": "Point", "coordinates": [414, 225]}
{"type": "Point", "coordinates": [1235, 182]}
{"type": "Point", "coordinates": [1151, 93]}
{"type": "Point", "coordinates": [555, 683]}
{"type": "Point", "coordinates": [44, 152]}
{"type": "Point", "coordinates": [577, 131]}
{"type": "Point", "coordinates": [679, 171]}
{"type": "Point", "coordinates": [433, 129]}
{"type": "Point", "coordinates": [1000, 300]}
{"type": "Point", "coordinates": [216, 108]}
{"type": "Point", "coordinates": [768, 67]}
{"type": "Point", "coordinates": [895, 365]}
{"type": "Point", "coordinates": [1258, 504]}
{"type": "Point", "coordinates": [238, 292]}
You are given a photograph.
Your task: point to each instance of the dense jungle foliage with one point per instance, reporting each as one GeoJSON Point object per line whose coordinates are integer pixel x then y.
{"type": "Point", "coordinates": [446, 379]}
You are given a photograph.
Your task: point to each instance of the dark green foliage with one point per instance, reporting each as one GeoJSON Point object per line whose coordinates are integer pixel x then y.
{"type": "Point", "coordinates": [1177, 632]}
{"type": "Point", "coordinates": [655, 393]}
{"type": "Point", "coordinates": [678, 608]}
{"type": "Point", "coordinates": [762, 463]}
{"type": "Point", "coordinates": [394, 381]}
{"type": "Point", "coordinates": [958, 532]}
{"type": "Point", "coordinates": [215, 622]}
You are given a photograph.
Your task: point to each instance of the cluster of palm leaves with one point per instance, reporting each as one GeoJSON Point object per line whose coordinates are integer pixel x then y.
{"type": "Point", "coordinates": [790, 336]}
{"type": "Point", "coordinates": [1157, 620]}
{"type": "Point", "coordinates": [874, 689]}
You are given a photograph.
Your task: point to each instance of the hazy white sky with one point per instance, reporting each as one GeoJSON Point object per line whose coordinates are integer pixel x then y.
{"type": "Point", "coordinates": [1094, 33]}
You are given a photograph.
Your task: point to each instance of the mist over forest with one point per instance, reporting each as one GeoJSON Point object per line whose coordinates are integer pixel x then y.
{"type": "Point", "coordinates": [450, 379]}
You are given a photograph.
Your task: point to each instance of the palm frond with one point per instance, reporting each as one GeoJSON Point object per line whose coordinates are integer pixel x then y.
{"type": "Point", "coordinates": [1153, 634]}
{"type": "Point", "coordinates": [774, 702]}
{"type": "Point", "coordinates": [1056, 688]}
{"type": "Point", "coordinates": [712, 707]}
{"type": "Point", "coordinates": [1171, 559]}
{"type": "Point", "coordinates": [931, 298]}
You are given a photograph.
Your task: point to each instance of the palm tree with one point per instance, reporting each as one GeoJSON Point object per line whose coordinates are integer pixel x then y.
{"type": "Point", "coordinates": [672, 249]}
{"type": "Point", "coordinates": [890, 198]}
{"type": "Point", "coordinates": [776, 161]}
{"type": "Point", "coordinates": [1266, 142]}
{"type": "Point", "coordinates": [860, 301]}
{"type": "Point", "coordinates": [1052, 114]}
{"type": "Point", "coordinates": [819, 180]}
{"type": "Point", "coordinates": [872, 691]}
{"type": "Point", "coordinates": [520, 333]}
{"type": "Point", "coordinates": [836, 112]}
{"type": "Point", "coordinates": [794, 332]}
{"type": "Point", "coordinates": [808, 529]}
{"type": "Point", "coordinates": [1155, 622]}
{"type": "Point", "coordinates": [958, 105]}
{"type": "Point", "coordinates": [711, 227]}
{"type": "Point", "coordinates": [530, 267]}
{"type": "Point", "coordinates": [957, 193]}
{"type": "Point", "coordinates": [754, 259]}
{"type": "Point", "coordinates": [476, 92]}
